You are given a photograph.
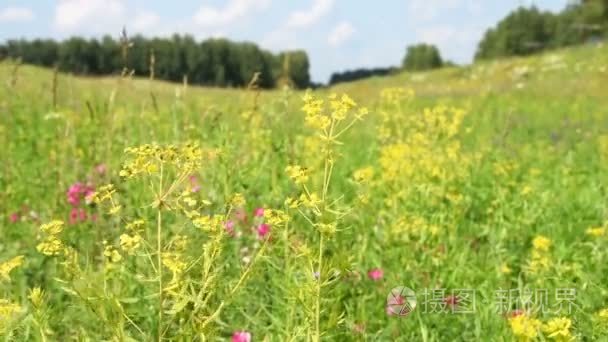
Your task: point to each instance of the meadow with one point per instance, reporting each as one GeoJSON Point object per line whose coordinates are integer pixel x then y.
{"type": "Point", "coordinates": [137, 210]}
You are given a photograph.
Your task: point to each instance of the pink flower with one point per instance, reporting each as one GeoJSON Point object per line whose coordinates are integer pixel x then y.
{"type": "Point", "coordinates": [375, 274]}
{"type": "Point", "coordinates": [14, 217]}
{"type": "Point", "coordinates": [259, 212]}
{"type": "Point", "coordinates": [73, 216]}
{"type": "Point", "coordinates": [101, 169]}
{"type": "Point", "coordinates": [263, 230]}
{"type": "Point", "coordinates": [241, 336]}
{"type": "Point", "coordinates": [229, 226]}
{"type": "Point", "coordinates": [77, 192]}
{"type": "Point", "coordinates": [78, 215]}
{"type": "Point", "coordinates": [194, 186]}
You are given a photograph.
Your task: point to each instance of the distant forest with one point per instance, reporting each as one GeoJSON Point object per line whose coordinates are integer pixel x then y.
{"type": "Point", "coordinates": [215, 62]}
{"type": "Point", "coordinates": [220, 62]}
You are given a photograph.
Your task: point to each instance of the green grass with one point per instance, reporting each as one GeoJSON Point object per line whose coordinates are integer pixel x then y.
{"type": "Point", "coordinates": [531, 162]}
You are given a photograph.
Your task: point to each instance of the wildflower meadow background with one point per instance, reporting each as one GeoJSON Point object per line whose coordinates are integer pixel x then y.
{"type": "Point", "coordinates": [135, 210]}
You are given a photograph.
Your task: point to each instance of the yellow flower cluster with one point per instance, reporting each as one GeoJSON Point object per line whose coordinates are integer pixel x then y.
{"type": "Point", "coordinates": [8, 314]}
{"type": "Point", "coordinates": [207, 223]}
{"type": "Point", "coordinates": [130, 243]}
{"type": "Point", "coordinates": [596, 231]}
{"type": "Point", "coordinates": [146, 159]}
{"type": "Point", "coordinates": [540, 256]}
{"type": "Point", "coordinates": [9, 265]}
{"type": "Point", "coordinates": [51, 244]}
{"type": "Point", "coordinates": [297, 174]}
{"type": "Point", "coordinates": [111, 255]}
{"type": "Point", "coordinates": [36, 296]}
{"type": "Point", "coordinates": [525, 327]}
{"type": "Point", "coordinates": [426, 150]}
{"type": "Point", "coordinates": [363, 175]}
{"type": "Point", "coordinates": [238, 200]}
{"type": "Point", "coordinates": [276, 218]}
{"type": "Point", "coordinates": [131, 240]}
{"type": "Point", "coordinates": [558, 329]}
{"type": "Point", "coordinates": [396, 95]}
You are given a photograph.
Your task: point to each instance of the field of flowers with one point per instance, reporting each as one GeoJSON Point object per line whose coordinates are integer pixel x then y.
{"type": "Point", "coordinates": [137, 210]}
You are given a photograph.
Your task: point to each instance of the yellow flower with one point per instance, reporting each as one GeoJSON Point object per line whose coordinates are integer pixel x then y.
{"type": "Point", "coordinates": [596, 232]}
{"type": "Point", "coordinates": [36, 297]}
{"type": "Point", "coordinates": [327, 228]}
{"type": "Point", "coordinates": [7, 266]}
{"type": "Point", "coordinates": [8, 313]}
{"type": "Point", "coordinates": [524, 327]}
{"type": "Point", "coordinates": [51, 245]}
{"type": "Point", "coordinates": [297, 173]}
{"type": "Point", "coordinates": [130, 243]}
{"type": "Point", "coordinates": [505, 269]}
{"type": "Point", "coordinates": [558, 329]}
{"type": "Point", "coordinates": [363, 175]}
{"type": "Point", "coordinates": [112, 255]}
{"type": "Point", "coordinates": [238, 200]}
{"type": "Point", "coordinates": [136, 225]}
{"type": "Point", "coordinates": [541, 243]}
{"type": "Point", "coordinates": [115, 210]}
{"type": "Point", "coordinates": [603, 314]}
{"type": "Point", "coordinates": [52, 228]}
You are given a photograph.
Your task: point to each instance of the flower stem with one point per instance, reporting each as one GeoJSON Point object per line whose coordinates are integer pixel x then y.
{"type": "Point", "coordinates": [159, 247]}
{"type": "Point", "coordinates": [318, 296]}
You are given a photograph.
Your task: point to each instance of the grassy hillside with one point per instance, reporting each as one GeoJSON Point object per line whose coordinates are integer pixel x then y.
{"type": "Point", "coordinates": [482, 189]}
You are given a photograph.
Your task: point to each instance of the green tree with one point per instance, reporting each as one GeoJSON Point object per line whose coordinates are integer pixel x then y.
{"type": "Point", "coordinates": [422, 57]}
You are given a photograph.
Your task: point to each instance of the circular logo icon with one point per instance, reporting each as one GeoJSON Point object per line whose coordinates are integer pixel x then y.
{"type": "Point", "coordinates": [401, 301]}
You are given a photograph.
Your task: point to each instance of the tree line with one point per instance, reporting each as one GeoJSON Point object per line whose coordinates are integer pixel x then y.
{"type": "Point", "coordinates": [528, 30]}
{"type": "Point", "coordinates": [524, 31]}
{"type": "Point", "coordinates": [213, 62]}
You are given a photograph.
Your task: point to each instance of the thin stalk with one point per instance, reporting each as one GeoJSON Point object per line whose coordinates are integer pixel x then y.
{"type": "Point", "coordinates": [159, 230]}
{"type": "Point", "coordinates": [318, 297]}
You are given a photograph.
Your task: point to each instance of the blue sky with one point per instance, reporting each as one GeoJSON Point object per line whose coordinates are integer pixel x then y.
{"type": "Point", "coordinates": [337, 34]}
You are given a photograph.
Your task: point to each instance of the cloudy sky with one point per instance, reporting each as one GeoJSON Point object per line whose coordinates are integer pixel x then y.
{"type": "Point", "coordinates": [338, 34]}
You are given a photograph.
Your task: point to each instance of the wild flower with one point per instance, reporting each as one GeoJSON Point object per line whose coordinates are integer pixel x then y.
{"type": "Point", "coordinates": [525, 327]}
{"type": "Point", "coordinates": [8, 314]}
{"type": "Point", "coordinates": [375, 274]}
{"type": "Point", "coordinates": [130, 243]}
{"type": "Point", "coordinates": [7, 266]}
{"type": "Point", "coordinates": [596, 232]}
{"type": "Point", "coordinates": [558, 329]}
{"type": "Point", "coordinates": [541, 243]}
{"type": "Point", "coordinates": [241, 336]}
{"type": "Point", "coordinates": [78, 192]}
{"type": "Point", "coordinates": [14, 217]}
{"type": "Point", "coordinates": [229, 227]}
{"type": "Point", "coordinates": [263, 230]}
{"type": "Point", "coordinates": [258, 212]}
{"type": "Point", "coordinates": [37, 297]}
{"type": "Point", "coordinates": [77, 215]}
{"type": "Point", "coordinates": [51, 244]}
{"type": "Point", "coordinates": [603, 314]}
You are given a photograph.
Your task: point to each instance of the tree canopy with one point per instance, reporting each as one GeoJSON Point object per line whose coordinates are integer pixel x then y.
{"type": "Point", "coordinates": [422, 57]}
{"type": "Point", "coordinates": [217, 62]}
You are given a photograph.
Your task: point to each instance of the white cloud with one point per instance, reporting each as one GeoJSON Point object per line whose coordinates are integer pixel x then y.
{"type": "Point", "coordinates": [89, 15]}
{"type": "Point", "coordinates": [424, 10]}
{"type": "Point", "coordinates": [306, 18]}
{"type": "Point", "coordinates": [232, 12]}
{"type": "Point", "coordinates": [145, 21]}
{"type": "Point", "coordinates": [16, 14]}
{"type": "Point", "coordinates": [340, 34]}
